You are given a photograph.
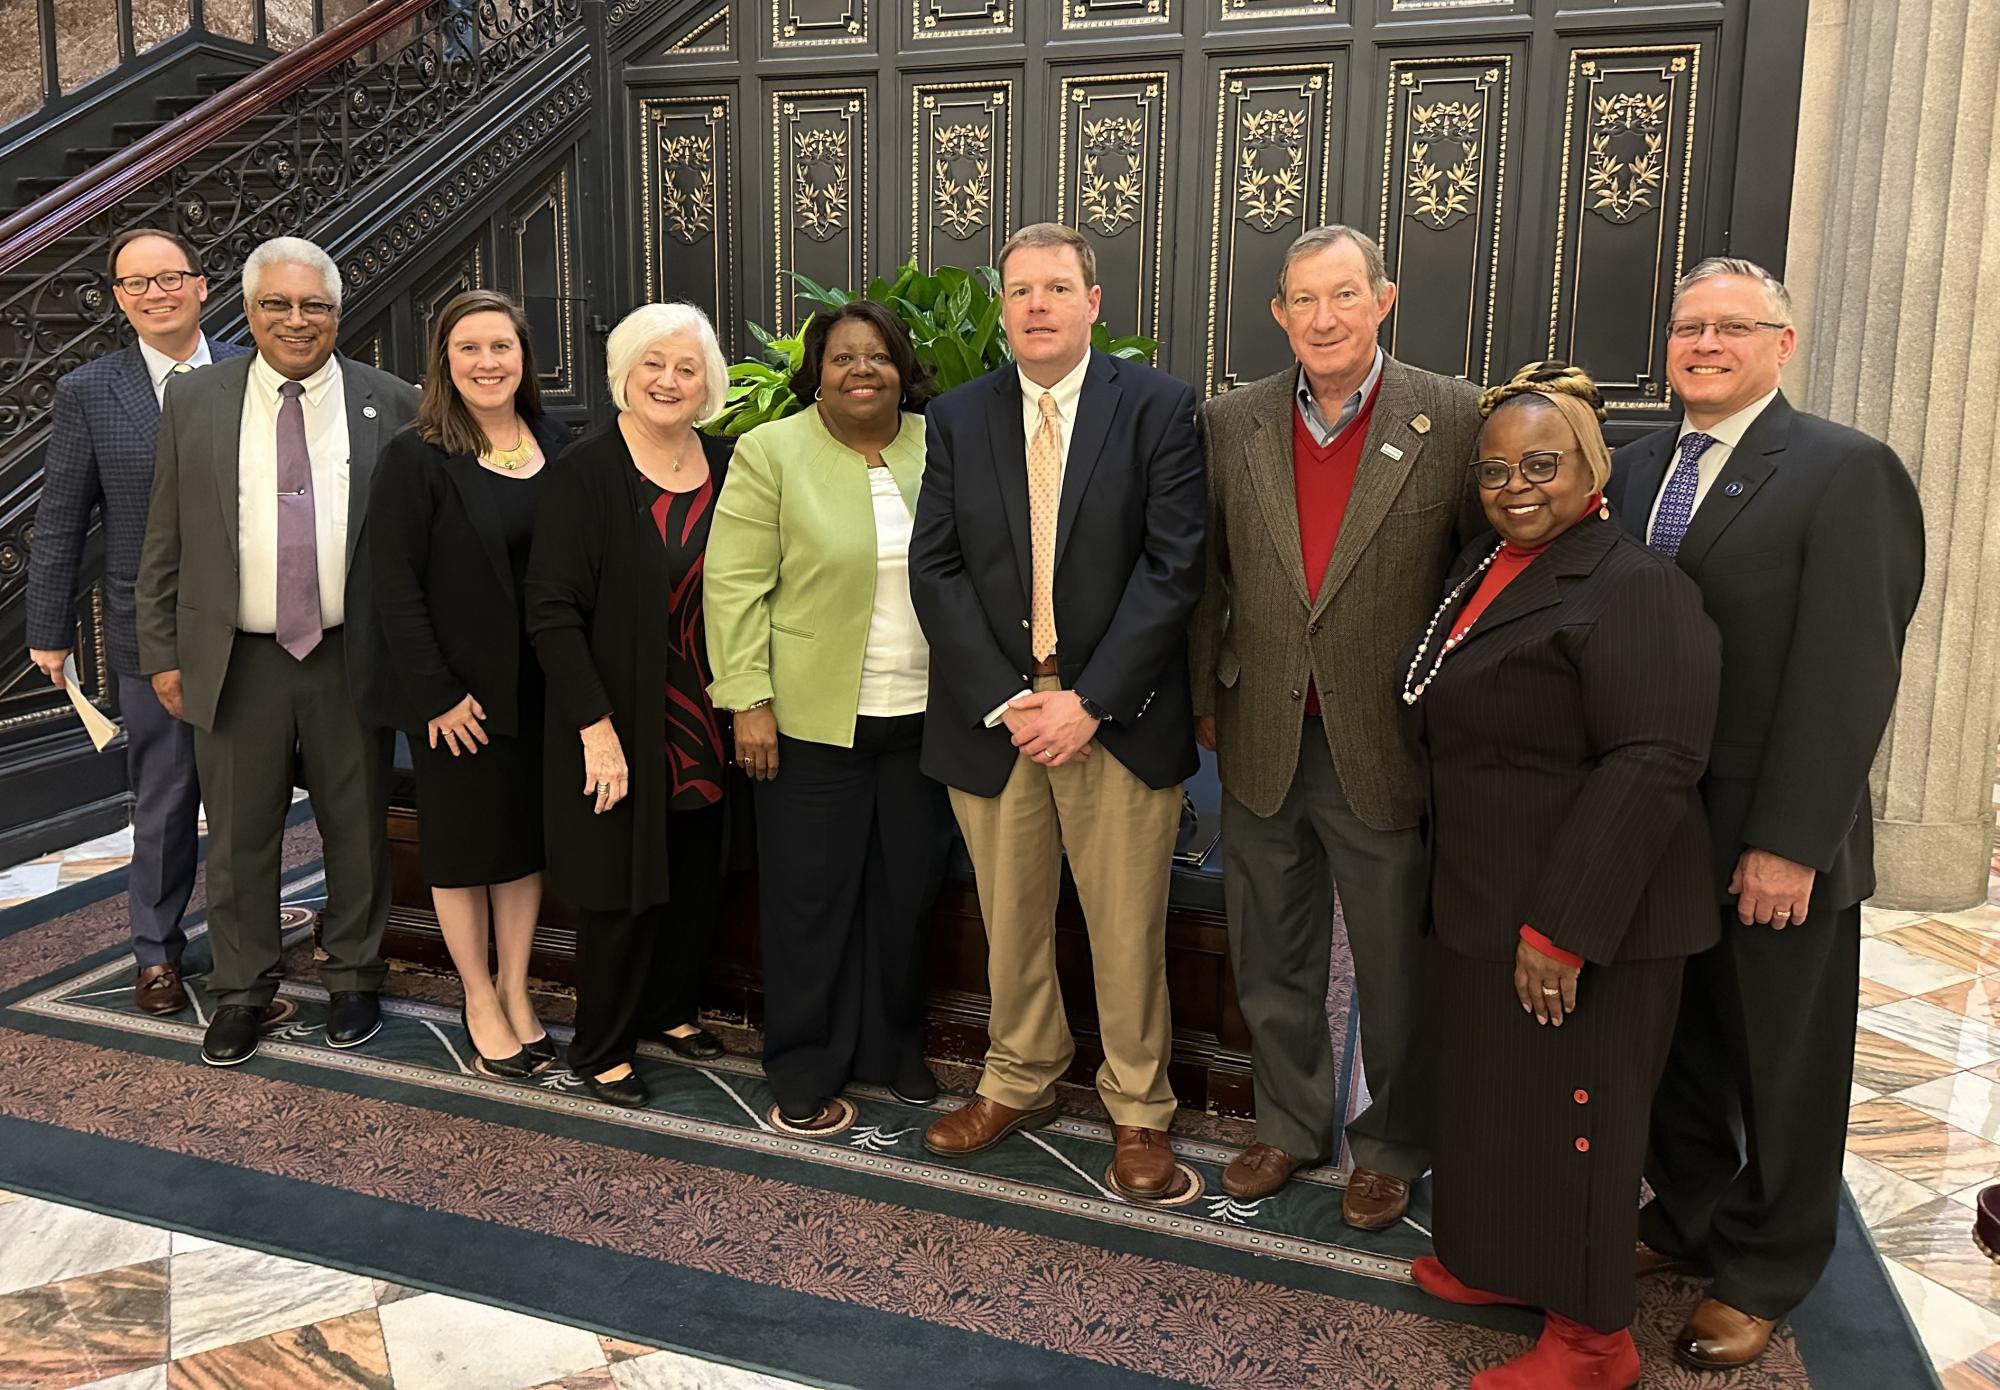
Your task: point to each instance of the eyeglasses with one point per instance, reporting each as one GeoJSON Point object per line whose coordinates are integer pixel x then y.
{"type": "Point", "coordinates": [314, 309]}
{"type": "Point", "coordinates": [1492, 474]}
{"type": "Point", "coordinates": [168, 280]}
{"type": "Point", "coordinates": [1690, 330]}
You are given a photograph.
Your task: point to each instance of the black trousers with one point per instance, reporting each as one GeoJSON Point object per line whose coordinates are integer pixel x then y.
{"type": "Point", "coordinates": [1750, 1122]}
{"type": "Point", "coordinates": [851, 847]}
{"type": "Point", "coordinates": [641, 973]}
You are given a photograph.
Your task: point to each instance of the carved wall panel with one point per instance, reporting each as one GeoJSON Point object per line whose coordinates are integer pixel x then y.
{"type": "Point", "coordinates": [821, 191]}
{"type": "Point", "coordinates": [810, 24]}
{"type": "Point", "coordinates": [1242, 11]}
{"type": "Point", "coordinates": [687, 167]}
{"type": "Point", "coordinates": [1272, 179]}
{"type": "Point", "coordinates": [961, 171]}
{"type": "Point", "coordinates": [708, 33]}
{"type": "Point", "coordinates": [1111, 177]}
{"type": "Point", "coordinates": [1441, 9]}
{"type": "Point", "coordinates": [964, 19]}
{"type": "Point", "coordinates": [1446, 172]}
{"type": "Point", "coordinates": [1627, 172]}
{"type": "Point", "coordinates": [1083, 16]}
{"type": "Point", "coordinates": [464, 269]}
{"type": "Point", "coordinates": [540, 237]}
{"type": "Point", "coordinates": [26, 696]}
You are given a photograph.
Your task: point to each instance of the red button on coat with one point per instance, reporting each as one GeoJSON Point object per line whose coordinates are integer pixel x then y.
{"type": "Point", "coordinates": [1580, 1096]}
{"type": "Point", "coordinates": [1582, 1145]}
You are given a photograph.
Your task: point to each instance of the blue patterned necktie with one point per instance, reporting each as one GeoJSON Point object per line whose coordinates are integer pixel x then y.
{"type": "Point", "coordinates": [1670, 523]}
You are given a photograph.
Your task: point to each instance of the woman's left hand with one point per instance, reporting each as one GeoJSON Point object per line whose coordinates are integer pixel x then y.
{"type": "Point", "coordinates": [1545, 986]}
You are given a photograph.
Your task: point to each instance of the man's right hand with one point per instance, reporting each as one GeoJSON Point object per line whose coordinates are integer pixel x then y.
{"type": "Point", "coordinates": [50, 663]}
{"type": "Point", "coordinates": [167, 689]}
{"type": "Point", "coordinates": [1204, 731]}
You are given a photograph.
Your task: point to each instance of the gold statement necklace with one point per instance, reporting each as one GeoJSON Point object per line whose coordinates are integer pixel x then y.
{"type": "Point", "coordinates": [515, 458]}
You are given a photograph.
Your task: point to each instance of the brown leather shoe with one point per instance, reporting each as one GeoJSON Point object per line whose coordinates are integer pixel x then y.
{"type": "Point", "coordinates": [1374, 1201]}
{"type": "Point", "coordinates": [1143, 1164]}
{"type": "Point", "coordinates": [1986, 1223]}
{"type": "Point", "coordinates": [1646, 1262]}
{"type": "Point", "coordinates": [981, 1125]}
{"type": "Point", "coordinates": [1259, 1171]}
{"type": "Point", "coordinates": [1718, 1337]}
{"type": "Point", "coordinates": [159, 990]}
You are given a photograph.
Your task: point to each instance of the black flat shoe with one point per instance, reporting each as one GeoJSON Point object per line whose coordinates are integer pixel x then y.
{"type": "Point", "coordinates": [515, 1068]}
{"type": "Point", "coordinates": [914, 1084]}
{"type": "Point", "coordinates": [627, 1092]}
{"type": "Point", "coordinates": [542, 1050]}
{"type": "Point", "coordinates": [804, 1114]}
{"type": "Point", "coordinates": [354, 1018]}
{"type": "Point", "coordinates": [698, 1046]}
{"type": "Point", "coordinates": [232, 1035]}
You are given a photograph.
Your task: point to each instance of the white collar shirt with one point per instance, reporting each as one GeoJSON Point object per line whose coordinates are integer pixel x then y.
{"type": "Point", "coordinates": [160, 366]}
{"type": "Point", "coordinates": [1067, 392]}
{"type": "Point", "coordinates": [1727, 434]}
{"type": "Point", "coordinates": [1324, 434]}
{"type": "Point", "coordinates": [325, 406]}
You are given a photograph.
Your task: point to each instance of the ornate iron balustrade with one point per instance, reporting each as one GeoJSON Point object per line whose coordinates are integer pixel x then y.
{"type": "Point", "coordinates": [275, 155]}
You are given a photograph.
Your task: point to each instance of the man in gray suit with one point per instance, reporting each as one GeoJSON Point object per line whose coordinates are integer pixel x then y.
{"type": "Point", "coordinates": [248, 632]}
{"type": "Point", "coordinates": [100, 458]}
{"type": "Point", "coordinates": [1338, 495]}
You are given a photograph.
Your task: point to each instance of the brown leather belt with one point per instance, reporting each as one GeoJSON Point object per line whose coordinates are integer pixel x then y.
{"type": "Point", "coordinates": [1046, 666]}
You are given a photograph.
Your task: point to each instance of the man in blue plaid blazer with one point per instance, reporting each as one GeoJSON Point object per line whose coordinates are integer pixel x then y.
{"type": "Point", "coordinates": [100, 455]}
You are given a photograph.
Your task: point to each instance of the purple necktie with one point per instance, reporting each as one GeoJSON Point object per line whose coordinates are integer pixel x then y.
{"type": "Point", "coordinates": [1670, 523]}
{"type": "Point", "coordinates": [298, 539]}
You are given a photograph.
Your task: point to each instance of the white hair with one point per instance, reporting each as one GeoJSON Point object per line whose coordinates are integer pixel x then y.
{"type": "Point", "coordinates": [290, 250]}
{"type": "Point", "coordinates": [1325, 239]}
{"type": "Point", "coordinates": [1775, 293]}
{"type": "Point", "coordinates": [651, 323]}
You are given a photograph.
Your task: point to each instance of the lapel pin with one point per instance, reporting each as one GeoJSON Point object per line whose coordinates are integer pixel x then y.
{"type": "Point", "coordinates": [1392, 451]}
{"type": "Point", "coordinates": [1422, 425]}
{"type": "Point", "coordinates": [1733, 490]}
{"type": "Point", "coordinates": [368, 411]}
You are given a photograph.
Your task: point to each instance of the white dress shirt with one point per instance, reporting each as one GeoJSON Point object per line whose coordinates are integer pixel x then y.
{"type": "Point", "coordinates": [1727, 434]}
{"type": "Point", "coordinates": [159, 366]}
{"type": "Point", "coordinates": [1067, 392]}
{"type": "Point", "coordinates": [1324, 434]}
{"type": "Point", "coordinates": [325, 405]}
{"type": "Point", "coordinates": [896, 663]}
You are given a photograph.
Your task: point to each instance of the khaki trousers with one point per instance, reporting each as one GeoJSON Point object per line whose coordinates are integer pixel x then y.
{"type": "Point", "coordinates": [1119, 835]}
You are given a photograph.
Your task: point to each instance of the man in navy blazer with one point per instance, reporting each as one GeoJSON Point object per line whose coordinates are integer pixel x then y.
{"type": "Point", "coordinates": [1055, 562]}
{"type": "Point", "coordinates": [1807, 540]}
{"type": "Point", "coordinates": [100, 455]}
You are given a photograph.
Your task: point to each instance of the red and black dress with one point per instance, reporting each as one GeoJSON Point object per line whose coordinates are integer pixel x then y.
{"type": "Point", "coordinates": [696, 761]}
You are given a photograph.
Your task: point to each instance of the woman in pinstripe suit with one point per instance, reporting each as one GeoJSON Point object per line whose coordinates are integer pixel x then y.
{"type": "Point", "coordinates": [1566, 693]}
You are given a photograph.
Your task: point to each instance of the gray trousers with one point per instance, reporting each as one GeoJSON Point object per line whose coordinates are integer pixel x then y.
{"type": "Point", "coordinates": [282, 721]}
{"type": "Point", "coordinates": [1280, 873]}
{"type": "Point", "coordinates": [166, 810]}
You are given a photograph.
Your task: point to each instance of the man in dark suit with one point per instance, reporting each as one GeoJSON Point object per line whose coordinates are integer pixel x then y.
{"type": "Point", "coordinates": [1338, 494]}
{"type": "Point", "coordinates": [100, 455]}
{"type": "Point", "coordinates": [1055, 559]}
{"type": "Point", "coordinates": [251, 633]}
{"type": "Point", "coordinates": [1808, 543]}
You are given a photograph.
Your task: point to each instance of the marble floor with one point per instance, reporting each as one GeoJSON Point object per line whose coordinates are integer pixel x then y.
{"type": "Point", "coordinates": [91, 1301]}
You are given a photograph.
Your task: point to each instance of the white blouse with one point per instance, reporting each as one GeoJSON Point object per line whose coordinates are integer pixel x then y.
{"type": "Point", "coordinates": [896, 664]}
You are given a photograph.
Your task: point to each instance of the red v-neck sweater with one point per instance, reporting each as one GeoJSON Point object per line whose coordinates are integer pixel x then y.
{"type": "Point", "coordinates": [1323, 477]}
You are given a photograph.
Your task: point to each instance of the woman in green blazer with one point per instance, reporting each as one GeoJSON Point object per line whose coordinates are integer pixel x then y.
{"type": "Point", "coordinates": [815, 647]}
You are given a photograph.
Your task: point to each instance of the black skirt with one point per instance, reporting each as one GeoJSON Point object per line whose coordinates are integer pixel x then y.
{"type": "Point", "coordinates": [1539, 1133]}
{"type": "Point", "coordinates": [481, 813]}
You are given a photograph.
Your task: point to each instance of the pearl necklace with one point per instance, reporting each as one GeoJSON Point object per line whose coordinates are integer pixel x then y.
{"type": "Point", "coordinates": [1412, 693]}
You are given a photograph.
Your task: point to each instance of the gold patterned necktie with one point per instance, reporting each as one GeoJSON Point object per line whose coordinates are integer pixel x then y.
{"type": "Point", "coordinates": [1044, 497]}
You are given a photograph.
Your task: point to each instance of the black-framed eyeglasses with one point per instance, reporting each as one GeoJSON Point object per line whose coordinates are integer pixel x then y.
{"type": "Point", "coordinates": [1690, 330]}
{"type": "Point", "coordinates": [315, 309]}
{"type": "Point", "coordinates": [1539, 467]}
{"type": "Point", "coordinates": [168, 280]}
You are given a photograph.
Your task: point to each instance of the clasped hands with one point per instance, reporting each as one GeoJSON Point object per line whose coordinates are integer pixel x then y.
{"type": "Point", "coordinates": [1050, 726]}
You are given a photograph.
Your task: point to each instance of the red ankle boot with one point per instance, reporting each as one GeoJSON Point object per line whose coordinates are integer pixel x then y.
{"type": "Point", "coordinates": [1437, 1281]}
{"type": "Point", "coordinates": [1570, 1356]}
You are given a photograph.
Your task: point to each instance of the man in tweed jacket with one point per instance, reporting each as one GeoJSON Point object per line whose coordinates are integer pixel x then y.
{"type": "Point", "coordinates": [100, 455]}
{"type": "Point", "coordinates": [1338, 496]}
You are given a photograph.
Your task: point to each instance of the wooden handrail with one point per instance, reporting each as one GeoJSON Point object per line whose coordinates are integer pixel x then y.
{"type": "Point", "coordinates": [103, 186]}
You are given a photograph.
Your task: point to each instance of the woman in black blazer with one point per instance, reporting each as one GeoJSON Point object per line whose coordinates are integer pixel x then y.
{"type": "Point", "coordinates": [450, 522]}
{"type": "Point", "coordinates": [1566, 693]}
{"type": "Point", "coordinates": [637, 763]}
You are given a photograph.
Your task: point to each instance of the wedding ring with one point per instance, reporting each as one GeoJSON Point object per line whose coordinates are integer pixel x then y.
{"type": "Point", "coordinates": [603, 787]}
{"type": "Point", "coordinates": [1547, 990]}
{"type": "Point", "coordinates": [1049, 754]}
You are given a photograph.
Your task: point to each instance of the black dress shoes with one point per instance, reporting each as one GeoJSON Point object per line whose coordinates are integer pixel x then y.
{"type": "Point", "coordinates": [232, 1035]}
{"type": "Point", "coordinates": [914, 1084]}
{"type": "Point", "coordinates": [354, 1017]}
{"type": "Point", "coordinates": [542, 1050]}
{"type": "Point", "coordinates": [518, 1067]}
{"type": "Point", "coordinates": [698, 1046]}
{"type": "Point", "coordinates": [628, 1091]}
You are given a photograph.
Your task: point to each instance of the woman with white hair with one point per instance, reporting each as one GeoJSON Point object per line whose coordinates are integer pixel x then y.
{"type": "Point", "coordinates": [636, 763]}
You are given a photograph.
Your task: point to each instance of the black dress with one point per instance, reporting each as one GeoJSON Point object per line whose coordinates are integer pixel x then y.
{"type": "Point", "coordinates": [482, 813]}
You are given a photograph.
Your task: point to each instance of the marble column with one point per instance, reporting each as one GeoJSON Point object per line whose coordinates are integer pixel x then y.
{"type": "Point", "coordinates": [1895, 260]}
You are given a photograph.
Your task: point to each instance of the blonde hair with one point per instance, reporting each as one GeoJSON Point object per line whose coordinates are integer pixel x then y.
{"type": "Point", "coordinates": [1572, 392]}
{"type": "Point", "coordinates": [651, 323]}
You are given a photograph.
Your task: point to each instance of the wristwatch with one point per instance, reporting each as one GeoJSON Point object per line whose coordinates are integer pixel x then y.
{"type": "Point", "coordinates": [1093, 709]}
